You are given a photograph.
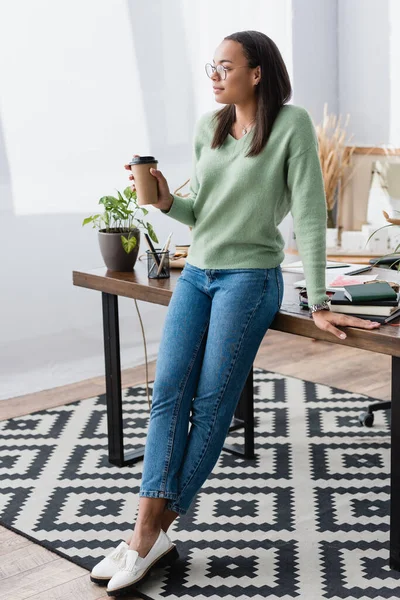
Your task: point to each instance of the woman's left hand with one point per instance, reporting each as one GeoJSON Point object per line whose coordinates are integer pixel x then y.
{"type": "Point", "coordinates": [326, 320]}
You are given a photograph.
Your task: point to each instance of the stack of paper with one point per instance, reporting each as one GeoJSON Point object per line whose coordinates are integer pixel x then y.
{"type": "Point", "coordinates": [336, 281]}
{"type": "Point", "coordinates": [297, 266]}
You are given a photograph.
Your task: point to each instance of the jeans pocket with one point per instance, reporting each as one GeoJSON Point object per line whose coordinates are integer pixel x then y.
{"type": "Point", "coordinates": [184, 268]}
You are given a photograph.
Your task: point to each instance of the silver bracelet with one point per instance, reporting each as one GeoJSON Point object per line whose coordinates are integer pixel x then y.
{"type": "Point", "coordinates": [317, 307]}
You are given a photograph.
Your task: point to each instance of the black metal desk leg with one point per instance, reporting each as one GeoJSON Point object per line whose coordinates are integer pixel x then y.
{"type": "Point", "coordinates": [113, 379]}
{"type": "Point", "coordinates": [244, 418]}
{"type": "Point", "coordinates": [395, 468]}
{"type": "Point", "coordinates": [116, 454]}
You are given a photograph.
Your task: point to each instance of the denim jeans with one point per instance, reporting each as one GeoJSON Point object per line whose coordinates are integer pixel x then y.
{"type": "Point", "coordinates": [215, 323]}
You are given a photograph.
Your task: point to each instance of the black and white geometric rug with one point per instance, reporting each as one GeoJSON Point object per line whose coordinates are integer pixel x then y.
{"type": "Point", "coordinates": [309, 518]}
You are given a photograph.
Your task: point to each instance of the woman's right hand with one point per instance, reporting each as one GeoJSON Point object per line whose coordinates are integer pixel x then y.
{"type": "Point", "coordinates": [164, 196]}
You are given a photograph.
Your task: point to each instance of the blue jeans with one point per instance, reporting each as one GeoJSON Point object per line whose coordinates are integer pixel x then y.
{"type": "Point", "coordinates": [215, 323]}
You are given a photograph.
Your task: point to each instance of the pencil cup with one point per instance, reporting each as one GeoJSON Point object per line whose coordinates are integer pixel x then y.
{"type": "Point", "coordinates": [158, 264]}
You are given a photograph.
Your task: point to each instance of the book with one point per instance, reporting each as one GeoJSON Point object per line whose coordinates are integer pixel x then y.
{"type": "Point", "coordinates": [379, 318]}
{"type": "Point", "coordinates": [339, 297]}
{"type": "Point", "coordinates": [364, 310]}
{"type": "Point", "coordinates": [339, 303]}
{"type": "Point", "coordinates": [368, 293]}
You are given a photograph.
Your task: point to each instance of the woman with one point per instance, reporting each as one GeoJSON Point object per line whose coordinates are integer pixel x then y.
{"type": "Point", "coordinates": [253, 161]}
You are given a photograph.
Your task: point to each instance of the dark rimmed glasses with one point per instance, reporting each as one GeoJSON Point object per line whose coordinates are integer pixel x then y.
{"type": "Point", "coordinates": [221, 70]}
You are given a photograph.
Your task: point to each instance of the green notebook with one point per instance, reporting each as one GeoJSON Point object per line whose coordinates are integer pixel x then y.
{"type": "Point", "coordinates": [367, 292]}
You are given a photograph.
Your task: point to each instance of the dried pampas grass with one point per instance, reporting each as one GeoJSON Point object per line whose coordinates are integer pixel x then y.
{"type": "Point", "coordinates": [183, 195]}
{"type": "Point", "coordinates": [180, 187]}
{"type": "Point", "coordinates": [335, 156]}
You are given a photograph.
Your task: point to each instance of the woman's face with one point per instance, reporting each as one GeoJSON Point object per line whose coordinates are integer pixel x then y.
{"type": "Point", "coordinates": [239, 85]}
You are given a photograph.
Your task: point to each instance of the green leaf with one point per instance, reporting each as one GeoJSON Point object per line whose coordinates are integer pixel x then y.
{"type": "Point", "coordinates": [118, 212]}
{"type": "Point", "coordinates": [152, 233]}
{"type": "Point", "coordinates": [374, 232]}
{"type": "Point", "coordinates": [128, 244]}
{"type": "Point", "coordinates": [128, 192]}
{"type": "Point", "coordinates": [108, 201]}
{"type": "Point", "coordinates": [121, 199]}
{"type": "Point", "coordinates": [87, 220]}
{"type": "Point", "coordinates": [131, 194]}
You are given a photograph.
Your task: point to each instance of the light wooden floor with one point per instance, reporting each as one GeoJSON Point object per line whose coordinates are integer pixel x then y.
{"type": "Point", "coordinates": [27, 570]}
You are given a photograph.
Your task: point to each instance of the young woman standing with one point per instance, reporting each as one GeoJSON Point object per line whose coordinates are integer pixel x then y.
{"type": "Point", "coordinates": [254, 160]}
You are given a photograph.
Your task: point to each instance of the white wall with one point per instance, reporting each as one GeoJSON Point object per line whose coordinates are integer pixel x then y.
{"type": "Point", "coordinates": [394, 75]}
{"type": "Point", "coordinates": [315, 56]}
{"type": "Point", "coordinates": [83, 87]}
{"type": "Point", "coordinates": [366, 69]}
{"type": "Point", "coordinates": [369, 75]}
{"type": "Point", "coordinates": [346, 53]}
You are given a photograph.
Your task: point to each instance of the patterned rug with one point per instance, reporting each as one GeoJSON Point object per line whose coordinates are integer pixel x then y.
{"type": "Point", "coordinates": [309, 518]}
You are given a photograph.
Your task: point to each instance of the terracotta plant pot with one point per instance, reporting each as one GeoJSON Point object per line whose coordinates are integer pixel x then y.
{"type": "Point", "coordinates": [113, 253]}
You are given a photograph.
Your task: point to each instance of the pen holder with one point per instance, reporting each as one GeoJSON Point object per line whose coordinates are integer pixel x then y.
{"type": "Point", "coordinates": [155, 260]}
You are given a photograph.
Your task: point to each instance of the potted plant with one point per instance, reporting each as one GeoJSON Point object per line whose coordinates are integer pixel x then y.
{"type": "Point", "coordinates": [392, 222]}
{"type": "Point", "coordinates": [118, 229]}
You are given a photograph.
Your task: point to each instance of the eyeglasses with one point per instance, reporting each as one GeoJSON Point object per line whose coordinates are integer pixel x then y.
{"type": "Point", "coordinates": [221, 70]}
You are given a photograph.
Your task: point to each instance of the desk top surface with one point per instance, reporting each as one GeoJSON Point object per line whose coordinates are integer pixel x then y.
{"type": "Point", "coordinates": [290, 319]}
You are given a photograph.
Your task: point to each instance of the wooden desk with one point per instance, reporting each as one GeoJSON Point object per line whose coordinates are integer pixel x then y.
{"type": "Point", "coordinates": [291, 319]}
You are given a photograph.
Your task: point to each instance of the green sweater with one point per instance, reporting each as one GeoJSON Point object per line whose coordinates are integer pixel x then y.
{"type": "Point", "coordinates": [236, 203]}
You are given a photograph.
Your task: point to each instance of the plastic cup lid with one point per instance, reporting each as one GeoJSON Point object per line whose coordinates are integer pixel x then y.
{"type": "Point", "coordinates": [142, 160]}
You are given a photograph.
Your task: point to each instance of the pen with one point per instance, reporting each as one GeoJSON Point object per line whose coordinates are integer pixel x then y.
{"type": "Point", "coordinates": [153, 251]}
{"type": "Point", "coordinates": [164, 250]}
{"type": "Point", "coordinates": [337, 266]}
{"type": "Point", "coordinates": [148, 240]}
{"type": "Point", "coordinates": [357, 271]}
{"type": "Point", "coordinates": [157, 258]}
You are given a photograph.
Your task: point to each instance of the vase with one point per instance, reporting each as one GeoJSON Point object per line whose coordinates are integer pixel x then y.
{"type": "Point", "coordinates": [331, 218]}
{"type": "Point", "coordinates": [331, 237]}
{"type": "Point", "coordinates": [113, 253]}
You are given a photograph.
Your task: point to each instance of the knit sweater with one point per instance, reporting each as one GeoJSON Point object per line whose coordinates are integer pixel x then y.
{"type": "Point", "coordinates": [236, 202]}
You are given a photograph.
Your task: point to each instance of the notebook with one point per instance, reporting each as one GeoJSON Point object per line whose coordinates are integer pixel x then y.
{"type": "Point", "coordinates": [370, 293]}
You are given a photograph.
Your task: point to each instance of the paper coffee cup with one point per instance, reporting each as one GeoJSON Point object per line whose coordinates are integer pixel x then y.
{"type": "Point", "coordinates": [145, 182]}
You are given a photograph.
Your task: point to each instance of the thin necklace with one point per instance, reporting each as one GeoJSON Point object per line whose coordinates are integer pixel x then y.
{"type": "Point", "coordinates": [244, 129]}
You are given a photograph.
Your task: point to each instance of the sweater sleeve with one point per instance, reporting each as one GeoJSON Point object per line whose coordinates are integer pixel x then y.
{"type": "Point", "coordinates": [308, 208]}
{"type": "Point", "coordinates": [182, 208]}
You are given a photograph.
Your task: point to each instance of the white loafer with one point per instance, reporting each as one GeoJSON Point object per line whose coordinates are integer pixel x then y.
{"type": "Point", "coordinates": [162, 553]}
{"type": "Point", "coordinates": [106, 568]}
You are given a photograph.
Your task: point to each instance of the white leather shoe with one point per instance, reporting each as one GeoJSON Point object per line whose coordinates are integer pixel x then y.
{"type": "Point", "coordinates": [106, 568]}
{"type": "Point", "coordinates": [162, 553]}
